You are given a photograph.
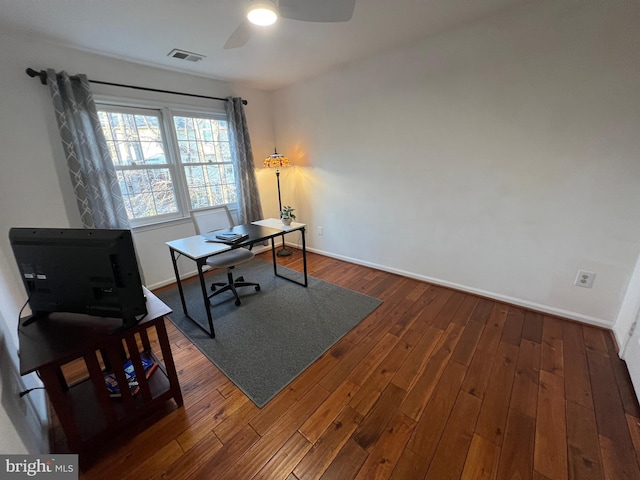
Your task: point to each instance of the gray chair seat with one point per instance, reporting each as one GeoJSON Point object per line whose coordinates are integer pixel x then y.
{"type": "Point", "coordinates": [230, 258]}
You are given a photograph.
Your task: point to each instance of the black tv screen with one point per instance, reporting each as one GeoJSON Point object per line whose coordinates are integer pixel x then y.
{"type": "Point", "coordinates": [89, 271]}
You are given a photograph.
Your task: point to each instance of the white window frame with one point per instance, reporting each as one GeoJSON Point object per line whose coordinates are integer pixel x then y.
{"type": "Point", "coordinates": [166, 111]}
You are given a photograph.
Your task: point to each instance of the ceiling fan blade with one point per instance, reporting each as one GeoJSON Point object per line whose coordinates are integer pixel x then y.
{"type": "Point", "coordinates": [239, 37]}
{"type": "Point", "coordinates": [317, 10]}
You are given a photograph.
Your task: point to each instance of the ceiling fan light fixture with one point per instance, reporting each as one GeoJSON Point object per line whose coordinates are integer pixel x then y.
{"type": "Point", "coordinates": [262, 13]}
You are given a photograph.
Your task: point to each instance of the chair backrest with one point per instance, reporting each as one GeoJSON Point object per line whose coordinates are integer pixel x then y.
{"type": "Point", "coordinates": [210, 219]}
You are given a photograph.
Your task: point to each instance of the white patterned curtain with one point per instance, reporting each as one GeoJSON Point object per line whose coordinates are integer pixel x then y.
{"type": "Point", "coordinates": [249, 206]}
{"type": "Point", "coordinates": [93, 176]}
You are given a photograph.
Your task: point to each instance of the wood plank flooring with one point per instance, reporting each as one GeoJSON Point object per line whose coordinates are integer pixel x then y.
{"type": "Point", "coordinates": [434, 384]}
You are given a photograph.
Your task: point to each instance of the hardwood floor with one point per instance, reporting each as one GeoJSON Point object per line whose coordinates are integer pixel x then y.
{"type": "Point", "coordinates": [434, 384]}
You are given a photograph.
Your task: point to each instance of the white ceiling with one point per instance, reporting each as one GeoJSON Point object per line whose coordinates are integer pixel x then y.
{"type": "Point", "coordinates": [145, 31]}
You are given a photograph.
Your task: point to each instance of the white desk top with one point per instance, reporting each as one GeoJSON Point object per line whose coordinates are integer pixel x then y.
{"type": "Point", "coordinates": [196, 247]}
{"type": "Point", "coordinates": [277, 224]}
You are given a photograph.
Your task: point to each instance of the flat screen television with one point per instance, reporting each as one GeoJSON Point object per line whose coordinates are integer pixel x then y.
{"type": "Point", "coordinates": [72, 270]}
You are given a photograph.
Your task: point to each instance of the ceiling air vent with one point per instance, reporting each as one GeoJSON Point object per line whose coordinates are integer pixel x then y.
{"type": "Point", "coordinates": [184, 55]}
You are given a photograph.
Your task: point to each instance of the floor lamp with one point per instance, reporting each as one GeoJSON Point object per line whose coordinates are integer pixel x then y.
{"type": "Point", "coordinates": [277, 160]}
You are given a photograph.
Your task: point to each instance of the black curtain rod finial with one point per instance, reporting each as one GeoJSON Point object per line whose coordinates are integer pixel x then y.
{"type": "Point", "coordinates": [42, 74]}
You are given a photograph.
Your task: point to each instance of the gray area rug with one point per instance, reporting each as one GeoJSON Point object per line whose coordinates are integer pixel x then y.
{"type": "Point", "coordinates": [276, 333]}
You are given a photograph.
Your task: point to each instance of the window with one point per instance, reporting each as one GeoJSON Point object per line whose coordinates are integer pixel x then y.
{"type": "Point", "coordinates": [205, 156]}
{"type": "Point", "coordinates": [168, 162]}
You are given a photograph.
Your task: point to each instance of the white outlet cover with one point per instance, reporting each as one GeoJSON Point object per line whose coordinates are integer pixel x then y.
{"type": "Point", "coordinates": [584, 279]}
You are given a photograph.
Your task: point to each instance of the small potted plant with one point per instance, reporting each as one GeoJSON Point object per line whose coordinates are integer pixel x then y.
{"type": "Point", "coordinates": [286, 215]}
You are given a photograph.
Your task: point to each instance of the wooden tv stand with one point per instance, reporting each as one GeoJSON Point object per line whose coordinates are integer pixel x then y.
{"type": "Point", "coordinates": [88, 414]}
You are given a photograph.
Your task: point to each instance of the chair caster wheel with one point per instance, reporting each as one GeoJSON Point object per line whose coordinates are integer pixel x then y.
{"type": "Point", "coordinates": [213, 288]}
{"type": "Point", "coordinates": [237, 303]}
{"type": "Point", "coordinates": [240, 279]}
{"type": "Point", "coordinates": [257, 288]}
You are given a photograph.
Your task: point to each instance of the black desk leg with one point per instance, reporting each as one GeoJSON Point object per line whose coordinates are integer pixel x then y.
{"type": "Point", "coordinates": [205, 296]}
{"type": "Point", "coordinates": [304, 257]}
{"type": "Point", "coordinates": [304, 260]}
{"type": "Point", "coordinates": [175, 270]}
{"type": "Point", "coordinates": [273, 255]}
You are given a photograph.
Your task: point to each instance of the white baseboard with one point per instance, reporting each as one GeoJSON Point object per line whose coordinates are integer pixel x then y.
{"type": "Point", "coordinates": [598, 322]}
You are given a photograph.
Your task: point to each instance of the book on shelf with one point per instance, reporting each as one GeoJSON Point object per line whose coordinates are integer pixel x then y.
{"type": "Point", "coordinates": [111, 381]}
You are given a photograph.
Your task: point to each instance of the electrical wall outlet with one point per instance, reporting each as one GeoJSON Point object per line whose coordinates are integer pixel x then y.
{"type": "Point", "coordinates": [320, 231]}
{"type": "Point", "coordinates": [584, 279]}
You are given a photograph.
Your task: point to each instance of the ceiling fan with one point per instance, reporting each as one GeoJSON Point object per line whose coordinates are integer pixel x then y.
{"type": "Point", "coordinates": [266, 12]}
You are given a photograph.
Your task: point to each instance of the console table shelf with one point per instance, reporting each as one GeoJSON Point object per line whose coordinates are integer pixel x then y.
{"type": "Point", "coordinates": [93, 345]}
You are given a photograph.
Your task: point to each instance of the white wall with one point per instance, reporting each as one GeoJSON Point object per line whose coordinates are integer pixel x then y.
{"type": "Point", "coordinates": [35, 189]}
{"type": "Point", "coordinates": [499, 158]}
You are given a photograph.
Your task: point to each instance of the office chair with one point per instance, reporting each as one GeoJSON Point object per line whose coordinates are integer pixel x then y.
{"type": "Point", "coordinates": [219, 218]}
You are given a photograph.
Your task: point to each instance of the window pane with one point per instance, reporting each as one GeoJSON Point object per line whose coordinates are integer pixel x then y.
{"type": "Point", "coordinates": [210, 185]}
{"type": "Point", "coordinates": [189, 152]}
{"type": "Point", "coordinates": [147, 192]}
{"type": "Point", "coordinates": [223, 151]}
{"type": "Point", "coordinates": [222, 132]}
{"type": "Point", "coordinates": [206, 157]}
{"type": "Point", "coordinates": [202, 140]}
{"type": "Point", "coordinates": [133, 139]}
{"type": "Point", "coordinates": [204, 126]}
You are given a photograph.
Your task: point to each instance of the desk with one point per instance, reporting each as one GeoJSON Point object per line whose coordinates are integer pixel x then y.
{"type": "Point", "coordinates": [87, 414]}
{"type": "Point", "coordinates": [198, 249]}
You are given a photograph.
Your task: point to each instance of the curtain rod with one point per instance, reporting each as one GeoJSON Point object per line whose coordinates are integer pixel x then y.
{"type": "Point", "coordinates": [42, 74]}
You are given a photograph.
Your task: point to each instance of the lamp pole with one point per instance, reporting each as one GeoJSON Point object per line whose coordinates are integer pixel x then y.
{"type": "Point", "coordinates": [279, 199]}
{"type": "Point", "coordinates": [284, 251]}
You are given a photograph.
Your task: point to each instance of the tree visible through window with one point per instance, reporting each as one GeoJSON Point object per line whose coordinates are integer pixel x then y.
{"type": "Point", "coordinates": [138, 153]}
{"type": "Point", "coordinates": [164, 172]}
